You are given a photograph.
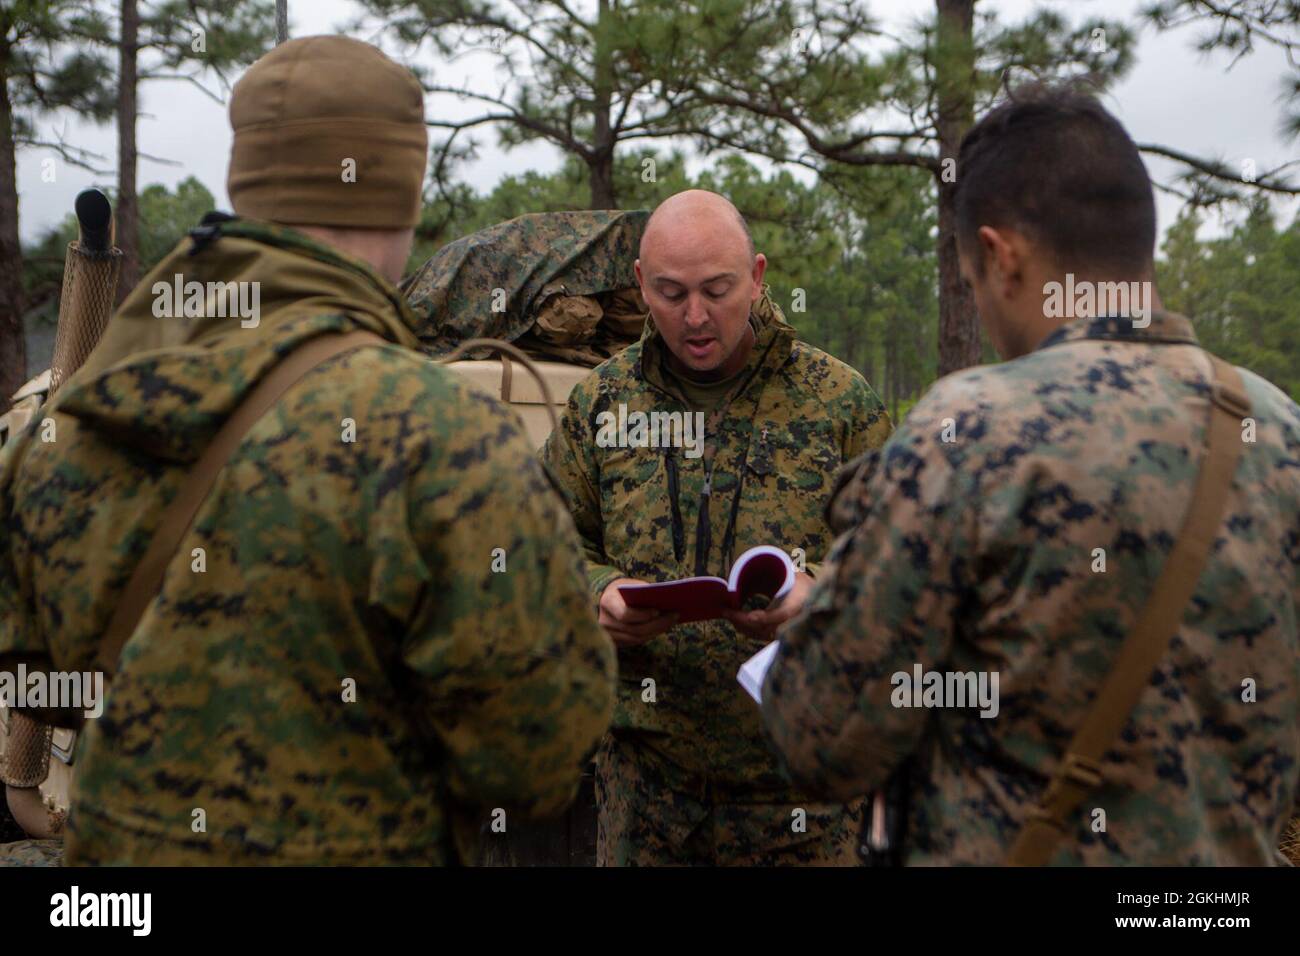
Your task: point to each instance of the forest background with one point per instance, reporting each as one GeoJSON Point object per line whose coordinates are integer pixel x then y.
{"type": "Point", "coordinates": [831, 128]}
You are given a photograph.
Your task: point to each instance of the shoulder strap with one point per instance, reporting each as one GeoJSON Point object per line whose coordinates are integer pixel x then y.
{"type": "Point", "coordinates": [1080, 769]}
{"type": "Point", "coordinates": [179, 514]}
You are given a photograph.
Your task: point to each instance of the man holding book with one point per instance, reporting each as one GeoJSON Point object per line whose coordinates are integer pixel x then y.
{"type": "Point", "coordinates": [685, 776]}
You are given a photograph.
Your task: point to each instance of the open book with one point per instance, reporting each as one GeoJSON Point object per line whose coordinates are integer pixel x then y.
{"type": "Point", "coordinates": [761, 572]}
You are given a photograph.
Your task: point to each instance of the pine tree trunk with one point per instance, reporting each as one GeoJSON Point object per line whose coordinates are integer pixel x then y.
{"type": "Point", "coordinates": [600, 163]}
{"type": "Point", "coordinates": [959, 334]}
{"type": "Point", "coordinates": [891, 376]}
{"type": "Point", "coordinates": [13, 345]}
{"type": "Point", "coordinates": [601, 171]}
{"type": "Point", "coordinates": [127, 214]}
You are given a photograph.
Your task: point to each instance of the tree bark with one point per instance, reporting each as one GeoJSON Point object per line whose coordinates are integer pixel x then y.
{"type": "Point", "coordinates": [601, 170]}
{"type": "Point", "coordinates": [600, 161]}
{"type": "Point", "coordinates": [959, 335]}
{"type": "Point", "coordinates": [127, 213]}
{"type": "Point", "coordinates": [13, 344]}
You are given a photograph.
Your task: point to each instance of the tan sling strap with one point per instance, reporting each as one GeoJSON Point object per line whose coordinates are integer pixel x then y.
{"type": "Point", "coordinates": [1079, 771]}
{"type": "Point", "coordinates": [147, 578]}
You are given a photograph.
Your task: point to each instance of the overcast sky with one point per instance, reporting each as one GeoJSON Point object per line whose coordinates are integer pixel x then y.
{"type": "Point", "coordinates": [1173, 96]}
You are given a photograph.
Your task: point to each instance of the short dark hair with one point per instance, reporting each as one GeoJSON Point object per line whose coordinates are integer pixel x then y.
{"type": "Point", "coordinates": [1053, 162]}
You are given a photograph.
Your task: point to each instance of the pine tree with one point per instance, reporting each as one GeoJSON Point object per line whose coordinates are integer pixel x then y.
{"type": "Point", "coordinates": [47, 66]}
{"type": "Point", "coordinates": [190, 41]}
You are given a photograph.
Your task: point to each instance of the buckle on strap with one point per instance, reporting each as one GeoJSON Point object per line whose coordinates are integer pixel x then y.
{"type": "Point", "coordinates": [1230, 400]}
{"type": "Point", "coordinates": [1082, 771]}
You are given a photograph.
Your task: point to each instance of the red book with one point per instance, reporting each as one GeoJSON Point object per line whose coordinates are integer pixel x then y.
{"type": "Point", "coordinates": [763, 571]}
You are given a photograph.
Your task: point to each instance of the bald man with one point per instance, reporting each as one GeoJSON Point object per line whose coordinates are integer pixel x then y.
{"type": "Point", "coordinates": [685, 776]}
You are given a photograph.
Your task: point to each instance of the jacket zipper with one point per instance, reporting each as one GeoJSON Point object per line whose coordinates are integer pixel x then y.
{"type": "Point", "coordinates": [679, 532]}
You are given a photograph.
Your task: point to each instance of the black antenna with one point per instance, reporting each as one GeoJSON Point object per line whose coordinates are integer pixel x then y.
{"type": "Point", "coordinates": [95, 216]}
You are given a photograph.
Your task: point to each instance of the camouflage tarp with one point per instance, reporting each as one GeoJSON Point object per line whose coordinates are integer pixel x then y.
{"type": "Point", "coordinates": [569, 319]}
{"type": "Point", "coordinates": [529, 259]}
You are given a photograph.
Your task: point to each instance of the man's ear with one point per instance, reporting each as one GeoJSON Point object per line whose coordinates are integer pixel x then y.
{"type": "Point", "coordinates": [636, 267]}
{"type": "Point", "coordinates": [1001, 254]}
{"type": "Point", "coordinates": [760, 268]}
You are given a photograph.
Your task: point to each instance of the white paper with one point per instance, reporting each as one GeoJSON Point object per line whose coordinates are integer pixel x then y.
{"type": "Point", "coordinates": [753, 671]}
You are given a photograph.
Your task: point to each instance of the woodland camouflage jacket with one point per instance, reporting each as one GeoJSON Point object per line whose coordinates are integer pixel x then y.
{"type": "Point", "coordinates": [1014, 526]}
{"type": "Point", "coordinates": [797, 417]}
{"type": "Point", "coordinates": [348, 665]}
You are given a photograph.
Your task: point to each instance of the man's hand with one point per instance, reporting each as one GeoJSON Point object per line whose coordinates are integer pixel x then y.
{"type": "Point", "coordinates": [630, 626]}
{"type": "Point", "coordinates": [763, 624]}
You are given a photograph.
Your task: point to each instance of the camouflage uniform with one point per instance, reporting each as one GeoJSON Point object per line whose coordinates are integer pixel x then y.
{"type": "Point", "coordinates": [32, 853]}
{"type": "Point", "coordinates": [330, 565]}
{"type": "Point", "coordinates": [686, 776]}
{"type": "Point", "coordinates": [977, 555]}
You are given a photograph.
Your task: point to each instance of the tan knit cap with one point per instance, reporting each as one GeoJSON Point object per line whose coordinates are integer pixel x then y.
{"type": "Point", "coordinates": [328, 132]}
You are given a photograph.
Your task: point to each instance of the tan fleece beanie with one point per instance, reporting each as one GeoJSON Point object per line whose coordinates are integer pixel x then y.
{"type": "Point", "coordinates": [328, 132]}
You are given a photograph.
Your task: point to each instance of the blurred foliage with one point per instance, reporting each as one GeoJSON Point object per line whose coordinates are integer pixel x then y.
{"type": "Point", "coordinates": [1241, 290]}
{"type": "Point", "coordinates": [51, 62]}
{"type": "Point", "coordinates": [857, 255]}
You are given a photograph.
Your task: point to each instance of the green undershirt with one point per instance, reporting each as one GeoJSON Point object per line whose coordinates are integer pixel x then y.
{"type": "Point", "coordinates": [704, 396]}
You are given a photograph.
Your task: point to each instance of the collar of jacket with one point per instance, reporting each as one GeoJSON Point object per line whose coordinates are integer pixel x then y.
{"type": "Point", "coordinates": [1168, 328]}
{"type": "Point", "coordinates": [361, 280]}
{"type": "Point", "coordinates": [773, 343]}
{"type": "Point", "coordinates": [295, 275]}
